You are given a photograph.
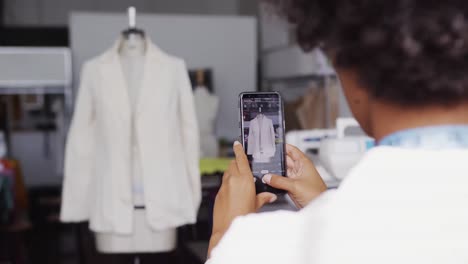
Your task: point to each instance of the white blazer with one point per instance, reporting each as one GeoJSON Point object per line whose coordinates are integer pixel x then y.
{"type": "Point", "coordinates": [97, 183]}
{"type": "Point", "coordinates": [261, 140]}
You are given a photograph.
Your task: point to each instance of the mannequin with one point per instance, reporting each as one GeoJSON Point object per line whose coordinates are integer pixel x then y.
{"type": "Point", "coordinates": [206, 106]}
{"type": "Point", "coordinates": [144, 239]}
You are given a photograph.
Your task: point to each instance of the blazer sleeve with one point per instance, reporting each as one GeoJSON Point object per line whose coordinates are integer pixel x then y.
{"type": "Point", "coordinates": [273, 135]}
{"type": "Point", "coordinates": [79, 155]}
{"type": "Point", "coordinates": [250, 139]}
{"type": "Point", "coordinates": [190, 134]}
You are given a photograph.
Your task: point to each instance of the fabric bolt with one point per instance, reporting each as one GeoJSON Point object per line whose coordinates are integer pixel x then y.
{"type": "Point", "coordinates": [97, 181]}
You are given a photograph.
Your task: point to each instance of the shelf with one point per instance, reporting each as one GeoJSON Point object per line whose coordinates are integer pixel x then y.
{"type": "Point", "coordinates": [300, 78]}
{"type": "Point", "coordinates": [292, 62]}
{"type": "Point", "coordinates": [33, 90]}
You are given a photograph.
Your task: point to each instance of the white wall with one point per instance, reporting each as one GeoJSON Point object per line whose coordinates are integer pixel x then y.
{"type": "Point", "coordinates": [56, 12]}
{"type": "Point", "coordinates": [228, 45]}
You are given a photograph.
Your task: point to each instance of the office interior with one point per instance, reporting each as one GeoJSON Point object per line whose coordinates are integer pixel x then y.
{"type": "Point", "coordinates": [109, 105]}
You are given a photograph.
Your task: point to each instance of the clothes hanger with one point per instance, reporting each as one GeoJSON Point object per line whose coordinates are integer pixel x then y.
{"type": "Point", "coordinates": [132, 29]}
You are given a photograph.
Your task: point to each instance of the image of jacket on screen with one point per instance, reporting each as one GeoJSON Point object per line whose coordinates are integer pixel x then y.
{"type": "Point", "coordinates": [261, 140]}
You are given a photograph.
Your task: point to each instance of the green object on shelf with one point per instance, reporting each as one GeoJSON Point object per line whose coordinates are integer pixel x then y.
{"type": "Point", "coordinates": [210, 166]}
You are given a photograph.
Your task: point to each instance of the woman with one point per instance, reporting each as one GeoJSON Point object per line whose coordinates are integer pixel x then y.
{"type": "Point", "coordinates": [404, 69]}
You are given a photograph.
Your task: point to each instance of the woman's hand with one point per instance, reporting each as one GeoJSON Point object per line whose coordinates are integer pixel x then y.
{"type": "Point", "coordinates": [303, 182]}
{"type": "Point", "coordinates": [236, 197]}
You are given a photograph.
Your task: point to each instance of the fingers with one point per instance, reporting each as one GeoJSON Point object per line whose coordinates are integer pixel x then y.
{"type": "Point", "coordinates": [265, 198]}
{"type": "Point", "coordinates": [290, 162]}
{"type": "Point", "coordinates": [241, 159]}
{"type": "Point", "coordinates": [279, 182]}
{"type": "Point", "coordinates": [232, 170]}
{"type": "Point", "coordinates": [294, 153]}
{"type": "Point", "coordinates": [292, 167]}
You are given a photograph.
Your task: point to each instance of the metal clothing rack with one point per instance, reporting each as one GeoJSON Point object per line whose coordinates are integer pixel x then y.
{"type": "Point", "coordinates": [37, 71]}
{"type": "Point", "coordinates": [26, 71]}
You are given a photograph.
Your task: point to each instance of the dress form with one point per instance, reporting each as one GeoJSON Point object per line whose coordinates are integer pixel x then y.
{"type": "Point", "coordinates": [206, 106]}
{"type": "Point", "coordinates": [143, 239]}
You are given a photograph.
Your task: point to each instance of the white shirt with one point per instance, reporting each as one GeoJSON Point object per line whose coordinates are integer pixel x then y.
{"type": "Point", "coordinates": [132, 60]}
{"type": "Point", "coordinates": [396, 206]}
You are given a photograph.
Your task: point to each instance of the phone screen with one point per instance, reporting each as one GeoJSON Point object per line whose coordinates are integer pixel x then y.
{"type": "Point", "coordinates": [262, 126]}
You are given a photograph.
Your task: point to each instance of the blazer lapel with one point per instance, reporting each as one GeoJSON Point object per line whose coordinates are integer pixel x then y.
{"type": "Point", "coordinates": [154, 78]}
{"type": "Point", "coordinates": [114, 83]}
{"type": "Point", "coordinates": [116, 88]}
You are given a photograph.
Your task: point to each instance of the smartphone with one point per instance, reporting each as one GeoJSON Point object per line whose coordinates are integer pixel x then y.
{"type": "Point", "coordinates": [262, 134]}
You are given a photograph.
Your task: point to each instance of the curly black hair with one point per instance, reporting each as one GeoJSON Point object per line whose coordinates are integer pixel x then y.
{"type": "Point", "coordinates": [409, 52]}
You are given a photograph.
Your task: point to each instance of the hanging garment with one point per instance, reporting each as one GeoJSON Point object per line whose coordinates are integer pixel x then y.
{"type": "Point", "coordinates": [320, 106]}
{"type": "Point", "coordinates": [312, 113]}
{"type": "Point", "coordinates": [333, 93]}
{"type": "Point", "coordinates": [261, 140]}
{"type": "Point", "coordinates": [290, 114]}
{"type": "Point", "coordinates": [97, 184]}
{"type": "Point", "coordinates": [206, 105]}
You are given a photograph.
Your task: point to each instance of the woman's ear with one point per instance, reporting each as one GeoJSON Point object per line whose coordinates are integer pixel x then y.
{"type": "Point", "coordinates": [357, 97]}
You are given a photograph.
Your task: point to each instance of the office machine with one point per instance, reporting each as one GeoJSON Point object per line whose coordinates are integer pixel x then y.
{"type": "Point", "coordinates": [333, 151]}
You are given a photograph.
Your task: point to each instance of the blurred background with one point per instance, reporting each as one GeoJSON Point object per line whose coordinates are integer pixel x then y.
{"type": "Point", "coordinates": [229, 46]}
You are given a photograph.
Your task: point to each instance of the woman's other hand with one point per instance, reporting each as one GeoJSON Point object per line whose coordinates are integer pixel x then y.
{"type": "Point", "coordinates": [237, 196]}
{"type": "Point", "coordinates": [303, 183]}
